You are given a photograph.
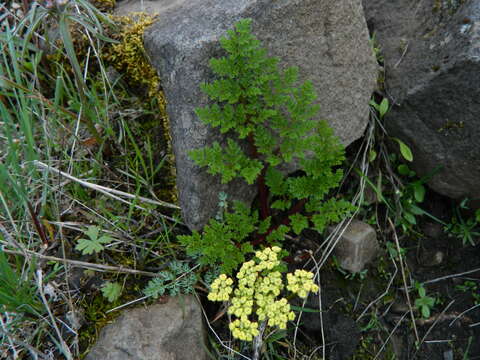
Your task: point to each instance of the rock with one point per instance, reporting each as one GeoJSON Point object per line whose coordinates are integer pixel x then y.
{"type": "Point", "coordinates": [151, 7]}
{"type": "Point", "coordinates": [432, 60]}
{"type": "Point", "coordinates": [357, 246]}
{"type": "Point", "coordinates": [327, 40]}
{"type": "Point", "coordinates": [171, 331]}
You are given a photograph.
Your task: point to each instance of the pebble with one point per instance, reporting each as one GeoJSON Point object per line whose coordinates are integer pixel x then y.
{"type": "Point", "coordinates": [448, 355]}
{"type": "Point", "coordinates": [431, 259]}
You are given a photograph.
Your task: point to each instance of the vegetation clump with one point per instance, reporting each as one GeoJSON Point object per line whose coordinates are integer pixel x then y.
{"type": "Point", "coordinates": [259, 284]}
{"type": "Point", "coordinates": [270, 128]}
{"type": "Point", "coordinates": [129, 58]}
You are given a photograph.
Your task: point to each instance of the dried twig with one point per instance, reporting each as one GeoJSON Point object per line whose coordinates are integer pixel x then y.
{"type": "Point", "coordinates": [405, 281]}
{"type": "Point", "coordinates": [451, 276]}
{"type": "Point", "coordinates": [433, 325]}
{"type": "Point", "coordinates": [65, 348]}
{"type": "Point", "coordinates": [83, 264]}
{"type": "Point", "coordinates": [104, 189]}
{"type": "Point", "coordinates": [33, 351]}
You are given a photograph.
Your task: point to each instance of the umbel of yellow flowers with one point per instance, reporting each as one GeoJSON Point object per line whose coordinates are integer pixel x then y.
{"type": "Point", "coordinates": [259, 285]}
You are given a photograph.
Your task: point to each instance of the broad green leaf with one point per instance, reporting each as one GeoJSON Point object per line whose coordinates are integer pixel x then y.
{"type": "Point", "coordinates": [95, 243]}
{"type": "Point", "coordinates": [416, 210]}
{"type": "Point", "coordinates": [404, 150]}
{"type": "Point", "coordinates": [403, 169]}
{"type": "Point", "coordinates": [112, 291]}
{"type": "Point", "coordinates": [425, 312]}
{"type": "Point", "coordinates": [410, 218]}
{"type": "Point", "coordinates": [374, 105]}
{"type": "Point", "coordinates": [304, 309]}
{"type": "Point", "coordinates": [92, 232]}
{"type": "Point", "coordinates": [419, 192]}
{"type": "Point", "coordinates": [88, 247]}
{"type": "Point", "coordinates": [383, 108]}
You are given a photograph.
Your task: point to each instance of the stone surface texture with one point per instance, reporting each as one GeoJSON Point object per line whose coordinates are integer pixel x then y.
{"type": "Point", "coordinates": [171, 331]}
{"type": "Point", "coordinates": [357, 246]}
{"type": "Point", "coordinates": [327, 40]}
{"type": "Point", "coordinates": [432, 61]}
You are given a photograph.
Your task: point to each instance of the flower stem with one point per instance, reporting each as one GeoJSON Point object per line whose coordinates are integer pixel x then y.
{"type": "Point", "coordinates": [258, 340]}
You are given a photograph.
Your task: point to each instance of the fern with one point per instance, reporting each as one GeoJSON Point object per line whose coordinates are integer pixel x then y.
{"type": "Point", "coordinates": [178, 279]}
{"type": "Point", "coordinates": [270, 127]}
{"type": "Point", "coordinates": [223, 242]}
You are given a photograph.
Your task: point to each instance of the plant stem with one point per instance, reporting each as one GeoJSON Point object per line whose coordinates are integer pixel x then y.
{"type": "Point", "coordinates": [285, 221]}
{"type": "Point", "coordinates": [258, 341]}
{"type": "Point", "coordinates": [38, 226]}
{"type": "Point", "coordinates": [261, 186]}
{"type": "Point", "coordinates": [263, 194]}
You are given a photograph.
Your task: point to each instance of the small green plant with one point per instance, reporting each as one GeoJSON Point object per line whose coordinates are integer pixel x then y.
{"type": "Point", "coordinates": [268, 122]}
{"type": "Point", "coordinates": [94, 243]}
{"type": "Point", "coordinates": [255, 296]}
{"type": "Point", "coordinates": [347, 274]}
{"type": "Point", "coordinates": [178, 279]}
{"type": "Point", "coordinates": [393, 252]}
{"type": "Point", "coordinates": [381, 108]}
{"type": "Point", "coordinates": [424, 303]}
{"type": "Point", "coordinates": [408, 190]}
{"type": "Point", "coordinates": [472, 287]}
{"type": "Point", "coordinates": [410, 196]}
{"type": "Point", "coordinates": [376, 49]}
{"type": "Point", "coordinates": [17, 293]}
{"type": "Point", "coordinates": [112, 291]}
{"type": "Point", "coordinates": [461, 228]}
{"type": "Point", "coordinates": [222, 206]}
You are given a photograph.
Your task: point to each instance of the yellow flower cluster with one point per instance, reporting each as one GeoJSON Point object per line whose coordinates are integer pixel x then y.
{"type": "Point", "coordinates": [221, 289]}
{"type": "Point", "coordinates": [276, 311]}
{"type": "Point", "coordinates": [301, 283]}
{"type": "Point", "coordinates": [244, 329]}
{"type": "Point", "coordinates": [268, 258]}
{"type": "Point", "coordinates": [259, 285]}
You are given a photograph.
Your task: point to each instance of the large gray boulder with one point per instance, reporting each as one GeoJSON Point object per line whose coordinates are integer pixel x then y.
{"type": "Point", "coordinates": [170, 331]}
{"type": "Point", "coordinates": [432, 61]}
{"type": "Point", "coordinates": [327, 40]}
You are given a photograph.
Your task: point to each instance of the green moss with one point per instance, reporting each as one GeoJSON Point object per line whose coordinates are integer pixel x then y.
{"type": "Point", "coordinates": [104, 5]}
{"type": "Point", "coordinates": [129, 58]}
{"type": "Point", "coordinates": [447, 6]}
{"type": "Point", "coordinates": [96, 306]}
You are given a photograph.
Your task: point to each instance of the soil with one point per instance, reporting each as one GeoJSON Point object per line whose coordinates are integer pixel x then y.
{"type": "Point", "coordinates": [367, 319]}
{"type": "Point", "coordinates": [370, 317]}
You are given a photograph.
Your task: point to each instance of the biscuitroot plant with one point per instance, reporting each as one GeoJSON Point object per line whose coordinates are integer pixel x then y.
{"type": "Point", "coordinates": [269, 126]}
{"type": "Point", "coordinates": [254, 298]}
